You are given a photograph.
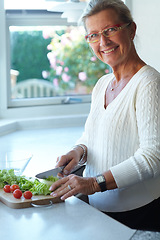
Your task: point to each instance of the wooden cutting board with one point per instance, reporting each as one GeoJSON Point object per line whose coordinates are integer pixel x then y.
{"type": "Point", "coordinates": [36, 201]}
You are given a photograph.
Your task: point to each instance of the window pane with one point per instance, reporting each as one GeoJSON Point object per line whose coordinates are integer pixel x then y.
{"type": "Point", "coordinates": [52, 61]}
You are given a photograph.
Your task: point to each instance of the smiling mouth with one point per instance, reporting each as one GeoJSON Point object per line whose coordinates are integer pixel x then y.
{"type": "Point", "coordinates": [110, 50]}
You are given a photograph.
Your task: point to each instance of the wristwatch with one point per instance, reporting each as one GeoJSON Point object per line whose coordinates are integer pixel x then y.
{"type": "Point", "coordinates": [101, 182]}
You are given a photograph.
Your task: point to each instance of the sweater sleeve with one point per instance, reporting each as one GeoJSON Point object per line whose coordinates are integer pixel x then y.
{"type": "Point", "coordinates": [145, 163]}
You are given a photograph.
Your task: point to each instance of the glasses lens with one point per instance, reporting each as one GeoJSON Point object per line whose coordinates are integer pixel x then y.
{"type": "Point", "coordinates": [94, 37]}
{"type": "Point", "coordinates": [110, 31]}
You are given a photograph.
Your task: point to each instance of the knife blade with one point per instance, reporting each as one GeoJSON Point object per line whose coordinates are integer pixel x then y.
{"type": "Point", "coordinates": [53, 172]}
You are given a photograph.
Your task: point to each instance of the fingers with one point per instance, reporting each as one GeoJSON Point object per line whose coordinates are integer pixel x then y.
{"type": "Point", "coordinates": [58, 183]}
{"type": "Point", "coordinates": [69, 167]}
{"type": "Point", "coordinates": [62, 161]}
{"type": "Point", "coordinates": [70, 160]}
{"type": "Point", "coordinates": [72, 185]}
{"type": "Point", "coordinates": [63, 189]}
{"type": "Point", "coordinates": [64, 192]}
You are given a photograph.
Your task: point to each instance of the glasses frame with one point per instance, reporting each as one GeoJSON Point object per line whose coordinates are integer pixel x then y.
{"type": "Point", "coordinates": [118, 26]}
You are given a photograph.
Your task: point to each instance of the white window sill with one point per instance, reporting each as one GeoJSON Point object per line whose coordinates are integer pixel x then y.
{"type": "Point", "coordinates": [7, 126]}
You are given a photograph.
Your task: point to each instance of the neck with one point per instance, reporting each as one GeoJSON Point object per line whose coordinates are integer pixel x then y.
{"type": "Point", "coordinates": [129, 68]}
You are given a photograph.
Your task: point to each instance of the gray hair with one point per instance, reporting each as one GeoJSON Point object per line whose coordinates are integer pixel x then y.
{"type": "Point", "coordinates": [96, 6]}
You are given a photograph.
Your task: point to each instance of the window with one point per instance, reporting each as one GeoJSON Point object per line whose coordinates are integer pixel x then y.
{"type": "Point", "coordinates": [50, 62]}
{"type": "Point", "coordinates": [12, 20]}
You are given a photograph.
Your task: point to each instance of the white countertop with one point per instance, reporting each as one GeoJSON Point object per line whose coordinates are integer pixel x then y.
{"type": "Point", "coordinates": [71, 220]}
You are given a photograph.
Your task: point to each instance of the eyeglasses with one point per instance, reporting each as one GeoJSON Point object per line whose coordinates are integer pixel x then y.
{"type": "Point", "coordinates": [108, 32]}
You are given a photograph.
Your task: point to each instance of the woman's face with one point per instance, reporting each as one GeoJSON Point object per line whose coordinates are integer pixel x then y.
{"type": "Point", "coordinates": [116, 50]}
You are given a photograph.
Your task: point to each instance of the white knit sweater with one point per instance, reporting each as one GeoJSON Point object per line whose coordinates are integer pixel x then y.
{"type": "Point", "coordinates": [125, 138]}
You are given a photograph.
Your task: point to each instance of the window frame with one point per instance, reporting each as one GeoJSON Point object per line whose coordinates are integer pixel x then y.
{"type": "Point", "coordinates": [36, 18]}
{"type": "Point", "coordinates": [34, 108]}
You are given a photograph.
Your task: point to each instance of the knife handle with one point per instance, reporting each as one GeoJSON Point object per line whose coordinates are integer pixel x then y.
{"type": "Point", "coordinates": [62, 167]}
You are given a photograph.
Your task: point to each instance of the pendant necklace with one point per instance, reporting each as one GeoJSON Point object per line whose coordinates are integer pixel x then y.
{"type": "Point", "coordinates": [112, 88]}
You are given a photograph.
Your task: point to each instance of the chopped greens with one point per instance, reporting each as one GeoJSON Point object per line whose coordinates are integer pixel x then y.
{"type": "Point", "coordinates": [52, 179]}
{"type": "Point", "coordinates": [26, 184]}
{"type": "Point", "coordinates": [40, 188]}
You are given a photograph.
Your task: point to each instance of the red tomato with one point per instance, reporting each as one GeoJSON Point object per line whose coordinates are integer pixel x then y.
{"type": "Point", "coordinates": [14, 187]}
{"type": "Point", "coordinates": [17, 193]}
{"type": "Point", "coordinates": [7, 188]}
{"type": "Point", "coordinates": [27, 195]}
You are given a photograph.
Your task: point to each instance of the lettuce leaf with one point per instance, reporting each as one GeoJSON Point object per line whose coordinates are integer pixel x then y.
{"type": "Point", "coordinates": [26, 184]}
{"type": "Point", "coordinates": [40, 188]}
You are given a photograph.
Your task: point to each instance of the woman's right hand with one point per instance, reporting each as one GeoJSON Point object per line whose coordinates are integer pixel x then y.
{"type": "Point", "coordinates": [71, 159]}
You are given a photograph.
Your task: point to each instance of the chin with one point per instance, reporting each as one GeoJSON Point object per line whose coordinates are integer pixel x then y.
{"type": "Point", "coordinates": [110, 61]}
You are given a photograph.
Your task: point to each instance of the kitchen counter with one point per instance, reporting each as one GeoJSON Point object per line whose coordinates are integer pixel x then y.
{"type": "Point", "coordinates": [72, 219]}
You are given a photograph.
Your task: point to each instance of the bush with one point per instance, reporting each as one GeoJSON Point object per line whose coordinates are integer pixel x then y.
{"type": "Point", "coordinates": [29, 54]}
{"type": "Point", "coordinates": [61, 56]}
{"type": "Point", "coordinates": [72, 62]}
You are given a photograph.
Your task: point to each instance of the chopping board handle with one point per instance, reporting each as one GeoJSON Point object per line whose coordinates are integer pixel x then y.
{"type": "Point", "coordinates": [42, 205]}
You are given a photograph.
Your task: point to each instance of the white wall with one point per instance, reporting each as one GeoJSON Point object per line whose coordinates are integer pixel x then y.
{"type": "Point", "coordinates": [146, 14]}
{"type": "Point", "coordinates": [3, 66]}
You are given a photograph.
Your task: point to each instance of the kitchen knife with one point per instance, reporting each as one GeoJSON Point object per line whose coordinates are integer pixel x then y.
{"type": "Point", "coordinates": [55, 171]}
{"type": "Point", "coordinates": [52, 172]}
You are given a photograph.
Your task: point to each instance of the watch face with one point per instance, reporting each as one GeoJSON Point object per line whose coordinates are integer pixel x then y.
{"type": "Point", "coordinates": [102, 182]}
{"type": "Point", "coordinates": [100, 179]}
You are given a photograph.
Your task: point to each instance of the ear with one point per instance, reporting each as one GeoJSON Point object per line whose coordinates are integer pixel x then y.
{"type": "Point", "coordinates": [133, 30]}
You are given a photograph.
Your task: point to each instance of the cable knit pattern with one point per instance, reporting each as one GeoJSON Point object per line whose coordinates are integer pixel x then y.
{"type": "Point", "coordinates": [125, 138]}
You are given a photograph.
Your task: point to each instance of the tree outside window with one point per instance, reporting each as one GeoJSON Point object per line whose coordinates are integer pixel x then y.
{"type": "Point", "coordinates": [74, 69]}
{"type": "Point", "coordinates": [59, 55]}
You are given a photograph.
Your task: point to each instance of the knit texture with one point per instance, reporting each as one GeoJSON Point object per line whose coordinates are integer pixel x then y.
{"type": "Point", "coordinates": [125, 137]}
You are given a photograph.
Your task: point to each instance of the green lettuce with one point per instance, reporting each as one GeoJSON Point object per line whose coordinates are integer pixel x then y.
{"type": "Point", "coordinates": [40, 188]}
{"type": "Point", "coordinates": [26, 184]}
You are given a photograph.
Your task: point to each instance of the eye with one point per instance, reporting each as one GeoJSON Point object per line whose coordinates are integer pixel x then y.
{"type": "Point", "coordinates": [93, 35]}
{"type": "Point", "coordinates": [109, 31]}
{"type": "Point", "coordinates": [112, 29]}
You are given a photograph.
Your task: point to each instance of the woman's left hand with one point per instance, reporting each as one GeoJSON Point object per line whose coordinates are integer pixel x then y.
{"type": "Point", "coordinates": [72, 185]}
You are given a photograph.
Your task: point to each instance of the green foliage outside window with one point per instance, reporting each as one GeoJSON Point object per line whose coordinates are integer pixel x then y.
{"type": "Point", "coordinates": [72, 62]}
{"type": "Point", "coordinates": [60, 55]}
{"type": "Point", "coordinates": [29, 54]}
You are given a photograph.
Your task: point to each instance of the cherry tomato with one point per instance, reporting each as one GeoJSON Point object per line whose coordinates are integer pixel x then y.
{"type": "Point", "coordinates": [7, 188]}
{"type": "Point", "coordinates": [14, 187]}
{"type": "Point", "coordinates": [17, 193]}
{"type": "Point", "coordinates": [27, 195]}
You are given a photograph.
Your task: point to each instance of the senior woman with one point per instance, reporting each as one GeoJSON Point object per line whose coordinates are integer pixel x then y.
{"type": "Point", "coordinates": [121, 141]}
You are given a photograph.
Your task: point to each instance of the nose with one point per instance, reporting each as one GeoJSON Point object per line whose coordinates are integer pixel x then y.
{"type": "Point", "coordinates": [103, 40]}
